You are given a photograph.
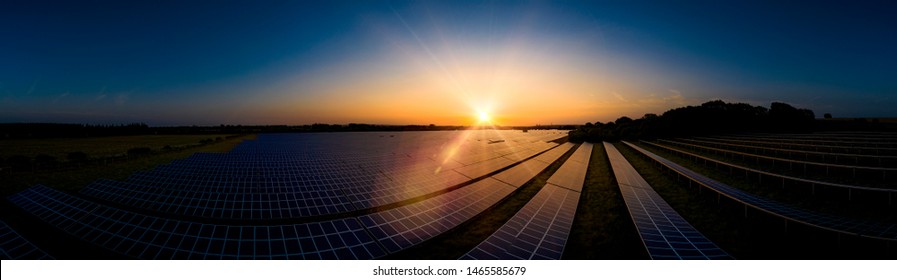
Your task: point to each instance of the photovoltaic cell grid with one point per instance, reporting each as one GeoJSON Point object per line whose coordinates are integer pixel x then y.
{"type": "Point", "coordinates": [830, 140]}
{"type": "Point", "coordinates": [540, 229]}
{"type": "Point", "coordinates": [572, 173]}
{"type": "Point", "coordinates": [796, 179]}
{"type": "Point", "coordinates": [204, 186]}
{"type": "Point", "coordinates": [250, 188]}
{"type": "Point", "coordinates": [665, 234]}
{"type": "Point", "coordinates": [791, 151]}
{"type": "Point", "coordinates": [15, 247]}
{"type": "Point", "coordinates": [147, 237]}
{"type": "Point", "coordinates": [524, 172]}
{"type": "Point", "coordinates": [802, 162]}
{"type": "Point", "coordinates": [872, 229]}
{"type": "Point", "coordinates": [811, 147]}
{"type": "Point", "coordinates": [240, 206]}
{"type": "Point", "coordinates": [399, 228]}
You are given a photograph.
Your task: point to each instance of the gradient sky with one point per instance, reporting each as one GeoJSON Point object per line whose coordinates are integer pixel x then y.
{"type": "Point", "coordinates": [399, 62]}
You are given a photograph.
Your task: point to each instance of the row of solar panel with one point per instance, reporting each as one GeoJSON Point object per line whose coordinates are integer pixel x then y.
{"type": "Point", "coordinates": [202, 195]}
{"type": "Point", "coordinates": [810, 147]}
{"type": "Point", "coordinates": [664, 233]}
{"type": "Point", "coordinates": [873, 229]}
{"type": "Point", "coordinates": [540, 229]}
{"type": "Point", "coordinates": [147, 237]}
{"type": "Point", "coordinates": [14, 247]}
{"type": "Point", "coordinates": [862, 160]}
{"type": "Point", "coordinates": [783, 177]}
{"type": "Point", "coordinates": [779, 159]}
{"type": "Point", "coordinates": [831, 140]}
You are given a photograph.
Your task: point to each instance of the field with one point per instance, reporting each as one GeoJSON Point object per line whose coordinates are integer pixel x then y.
{"type": "Point", "coordinates": [475, 194]}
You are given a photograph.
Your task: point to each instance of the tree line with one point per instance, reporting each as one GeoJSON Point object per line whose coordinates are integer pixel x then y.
{"type": "Point", "coordinates": [712, 117]}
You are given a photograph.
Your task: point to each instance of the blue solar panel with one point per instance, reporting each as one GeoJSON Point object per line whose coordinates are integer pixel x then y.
{"type": "Point", "coordinates": [665, 234]}
{"type": "Point", "coordinates": [877, 230]}
{"type": "Point", "coordinates": [406, 226]}
{"type": "Point", "coordinates": [147, 237]}
{"type": "Point", "coordinates": [538, 231]}
{"type": "Point", "coordinates": [15, 247]}
{"type": "Point", "coordinates": [784, 177]}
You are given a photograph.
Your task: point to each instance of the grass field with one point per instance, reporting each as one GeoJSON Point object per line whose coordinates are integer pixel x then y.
{"type": "Point", "coordinates": [76, 178]}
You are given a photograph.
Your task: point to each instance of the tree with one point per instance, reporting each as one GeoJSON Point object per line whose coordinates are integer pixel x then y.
{"type": "Point", "coordinates": [827, 116]}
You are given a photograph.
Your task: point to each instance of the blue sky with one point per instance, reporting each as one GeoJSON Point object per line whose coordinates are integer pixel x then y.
{"type": "Point", "coordinates": [399, 62]}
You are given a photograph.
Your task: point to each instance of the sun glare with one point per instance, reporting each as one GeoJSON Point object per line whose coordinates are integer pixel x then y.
{"type": "Point", "coordinates": [483, 117]}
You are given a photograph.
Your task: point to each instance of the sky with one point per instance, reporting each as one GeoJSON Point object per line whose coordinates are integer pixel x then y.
{"type": "Point", "coordinates": [437, 62]}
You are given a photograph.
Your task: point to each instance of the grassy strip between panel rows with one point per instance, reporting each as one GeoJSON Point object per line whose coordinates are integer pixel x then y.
{"type": "Point", "coordinates": [602, 228]}
{"type": "Point", "coordinates": [461, 239]}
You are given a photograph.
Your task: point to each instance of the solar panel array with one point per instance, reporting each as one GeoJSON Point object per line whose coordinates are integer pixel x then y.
{"type": "Point", "coordinates": [791, 178]}
{"type": "Point", "coordinates": [239, 205]}
{"type": "Point", "coordinates": [868, 160]}
{"type": "Point", "coordinates": [665, 234]}
{"type": "Point", "coordinates": [294, 182]}
{"type": "Point", "coordinates": [540, 229]}
{"type": "Point", "coordinates": [15, 247]}
{"type": "Point", "coordinates": [872, 229]}
{"type": "Point", "coordinates": [148, 237]}
{"type": "Point", "coordinates": [406, 226]}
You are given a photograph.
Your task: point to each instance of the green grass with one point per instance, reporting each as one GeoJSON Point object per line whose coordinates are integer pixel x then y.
{"type": "Point", "coordinates": [458, 241]}
{"type": "Point", "coordinates": [602, 227]}
{"type": "Point", "coordinates": [71, 179]}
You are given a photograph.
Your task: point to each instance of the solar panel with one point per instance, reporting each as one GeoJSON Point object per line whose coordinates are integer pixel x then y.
{"type": "Point", "coordinates": [240, 206]}
{"type": "Point", "coordinates": [484, 167]}
{"type": "Point", "coordinates": [665, 234]}
{"type": "Point", "coordinates": [869, 160]}
{"type": "Point", "coordinates": [148, 237]}
{"type": "Point", "coordinates": [826, 165]}
{"type": "Point", "coordinates": [791, 178]}
{"type": "Point", "coordinates": [15, 247]}
{"type": "Point", "coordinates": [538, 231]}
{"type": "Point", "coordinates": [406, 226]}
{"type": "Point", "coordinates": [520, 174]}
{"type": "Point", "coordinates": [812, 147]}
{"type": "Point", "coordinates": [572, 173]}
{"type": "Point", "coordinates": [872, 229]}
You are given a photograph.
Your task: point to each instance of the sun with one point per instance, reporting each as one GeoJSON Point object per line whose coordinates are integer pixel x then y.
{"type": "Point", "coordinates": [483, 117]}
